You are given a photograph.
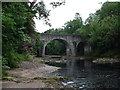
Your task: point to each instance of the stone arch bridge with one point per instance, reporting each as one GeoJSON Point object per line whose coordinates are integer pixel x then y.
{"type": "Point", "coordinates": [71, 42]}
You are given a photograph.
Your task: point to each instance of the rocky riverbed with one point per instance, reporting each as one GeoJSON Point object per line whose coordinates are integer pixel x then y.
{"type": "Point", "coordinates": [112, 62]}
{"type": "Point", "coordinates": [32, 75]}
{"type": "Point", "coordinates": [106, 60]}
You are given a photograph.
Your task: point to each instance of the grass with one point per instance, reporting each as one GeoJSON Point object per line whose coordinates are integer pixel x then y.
{"type": "Point", "coordinates": [50, 80]}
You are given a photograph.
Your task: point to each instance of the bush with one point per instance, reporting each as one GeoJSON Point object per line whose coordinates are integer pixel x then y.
{"type": "Point", "coordinates": [112, 53]}
{"type": "Point", "coordinates": [12, 59]}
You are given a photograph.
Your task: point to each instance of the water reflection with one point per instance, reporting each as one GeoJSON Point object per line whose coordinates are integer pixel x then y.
{"type": "Point", "coordinates": [85, 74]}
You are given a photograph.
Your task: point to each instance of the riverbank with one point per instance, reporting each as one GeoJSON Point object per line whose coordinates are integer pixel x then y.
{"type": "Point", "coordinates": [112, 62]}
{"type": "Point", "coordinates": [32, 75]}
{"type": "Point", "coordinates": [106, 60]}
{"type": "Point", "coordinates": [61, 61]}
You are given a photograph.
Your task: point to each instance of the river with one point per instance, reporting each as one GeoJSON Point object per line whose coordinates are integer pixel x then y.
{"type": "Point", "coordinates": [85, 74]}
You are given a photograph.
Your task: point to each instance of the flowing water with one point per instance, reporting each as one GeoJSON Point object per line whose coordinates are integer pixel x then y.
{"type": "Point", "coordinates": [85, 74]}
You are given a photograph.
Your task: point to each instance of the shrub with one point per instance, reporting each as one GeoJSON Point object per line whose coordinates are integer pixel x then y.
{"type": "Point", "coordinates": [12, 59]}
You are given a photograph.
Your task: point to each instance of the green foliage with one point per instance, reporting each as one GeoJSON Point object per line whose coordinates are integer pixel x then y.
{"type": "Point", "coordinates": [39, 11]}
{"type": "Point", "coordinates": [109, 9]}
{"type": "Point", "coordinates": [55, 48]}
{"type": "Point", "coordinates": [4, 74]}
{"type": "Point", "coordinates": [72, 26]}
{"type": "Point", "coordinates": [55, 31]}
{"type": "Point", "coordinates": [13, 32]}
{"type": "Point", "coordinates": [111, 53]}
{"type": "Point", "coordinates": [4, 64]}
{"type": "Point", "coordinates": [13, 21]}
{"type": "Point", "coordinates": [12, 59]}
{"type": "Point", "coordinates": [37, 49]}
{"type": "Point", "coordinates": [18, 29]}
{"type": "Point", "coordinates": [102, 30]}
{"type": "Point", "coordinates": [50, 80]}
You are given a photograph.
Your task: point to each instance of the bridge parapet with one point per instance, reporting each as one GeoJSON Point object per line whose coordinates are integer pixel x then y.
{"type": "Point", "coordinates": [66, 37]}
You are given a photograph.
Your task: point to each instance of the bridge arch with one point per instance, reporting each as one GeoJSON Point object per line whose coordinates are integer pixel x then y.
{"type": "Point", "coordinates": [80, 49]}
{"type": "Point", "coordinates": [69, 50]}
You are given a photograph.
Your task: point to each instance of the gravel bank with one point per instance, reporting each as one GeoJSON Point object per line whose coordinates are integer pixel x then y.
{"type": "Point", "coordinates": [23, 76]}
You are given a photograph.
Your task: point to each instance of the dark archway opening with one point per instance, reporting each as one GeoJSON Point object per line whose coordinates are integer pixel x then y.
{"type": "Point", "coordinates": [56, 47]}
{"type": "Point", "coordinates": [80, 49]}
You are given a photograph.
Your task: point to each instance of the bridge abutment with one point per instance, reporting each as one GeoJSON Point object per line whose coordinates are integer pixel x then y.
{"type": "Point", "coordinates": [72, 49]}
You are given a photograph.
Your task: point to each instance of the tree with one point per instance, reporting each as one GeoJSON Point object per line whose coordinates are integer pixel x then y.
{"type": "Point", "coordinates": [18, 28]}
{"type": "Point", "coordinates": [38, 11]}
{"type": "Point", "coordinates": [72, 26]}
{"type": "Point", "coordinates": [109, 9]}
{"type": "Point", "coordinates": [104, 29]}
{"type": "Point", "coordinates": [13, 20]}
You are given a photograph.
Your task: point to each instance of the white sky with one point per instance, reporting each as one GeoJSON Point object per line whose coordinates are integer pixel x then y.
{"type": "Point", "coordinates": [60, 15]}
